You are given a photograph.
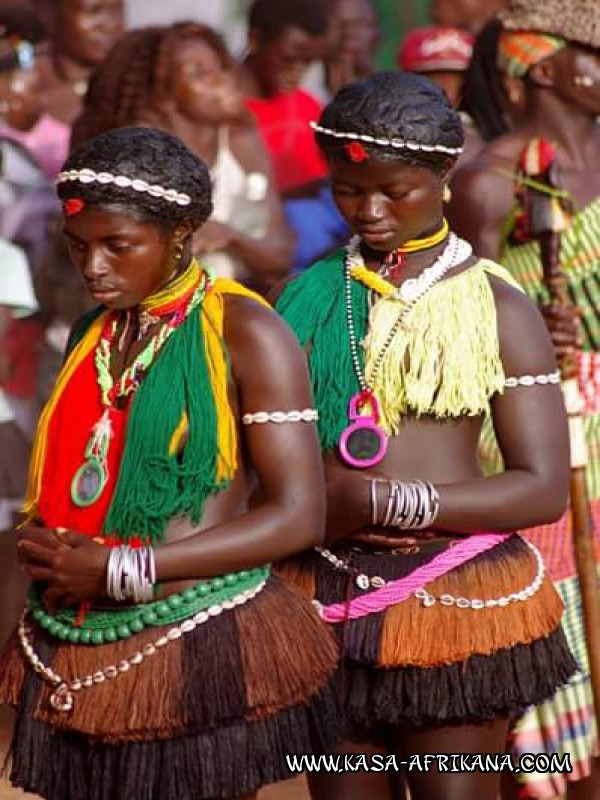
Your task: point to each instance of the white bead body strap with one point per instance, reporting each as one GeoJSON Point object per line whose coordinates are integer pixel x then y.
{"type": "Point", "coordinates": [123, 182]}
{"type": "Point", "coordinates": [383, 141]}
{"type": "Point", "coordinates": [532, 380]}
{"type": "Point", "coordinates": [260, 417]}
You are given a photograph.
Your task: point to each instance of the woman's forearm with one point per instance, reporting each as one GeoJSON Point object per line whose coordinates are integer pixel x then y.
{"type": "Point", "coordinates": [509, 501]}
{"type": "Point", "coordinates": [262, 535]}
{"type": "Point", "coordinates": [512, 500]}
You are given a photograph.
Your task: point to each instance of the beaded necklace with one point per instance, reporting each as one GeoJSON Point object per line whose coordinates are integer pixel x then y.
{"type": "Point", "coordinates": [176, 301]}
{"type": "Point", "coordinates": [363, 443]}
{"type": "Point", "coordinates": [394, 262]}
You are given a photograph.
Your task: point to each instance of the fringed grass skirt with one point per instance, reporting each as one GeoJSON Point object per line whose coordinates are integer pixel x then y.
{"type": "Point", "coordinates": [212, 715]}
{"type": "Point", "coordinates": [424, 666]}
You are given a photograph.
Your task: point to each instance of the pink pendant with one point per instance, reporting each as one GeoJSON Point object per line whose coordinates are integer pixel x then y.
{"type": "Point", "coordinates": [363, 443]}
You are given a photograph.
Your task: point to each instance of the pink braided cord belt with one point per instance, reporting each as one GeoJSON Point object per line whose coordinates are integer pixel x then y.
{"type": "Point", "coordinates": [398, 591]}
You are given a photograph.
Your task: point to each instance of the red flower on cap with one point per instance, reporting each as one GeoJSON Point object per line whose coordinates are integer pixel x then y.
{"type": "Point", "coordinates": [73, 206]}
{"type": "Point", "coordinates": [356, 152]}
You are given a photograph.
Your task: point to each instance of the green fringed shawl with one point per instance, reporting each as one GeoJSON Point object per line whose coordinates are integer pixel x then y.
{"type": "Point", "coordinates": [153, 486]}
{"type": "Point", "coordinates": [313, 305]}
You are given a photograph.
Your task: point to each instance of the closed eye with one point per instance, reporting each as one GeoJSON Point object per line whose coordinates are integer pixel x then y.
{"type": "Point", "coordinates": [398, 195]}
{"type": "Point", "coordinates": [346, 191]}
{"type": "Point", "coordinates": [118, 247]}
{"type": "Point", "coordinates": [75, 244]}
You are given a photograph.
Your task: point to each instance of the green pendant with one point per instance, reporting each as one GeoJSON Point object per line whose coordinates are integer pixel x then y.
{"type": "Point", "coordinates": [92, 476]}
{"type": "Point", "coordinates": [88, 483]}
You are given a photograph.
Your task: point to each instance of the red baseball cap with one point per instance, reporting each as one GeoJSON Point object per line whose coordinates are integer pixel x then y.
{"type": "Point", "coordinates": [436, 49]}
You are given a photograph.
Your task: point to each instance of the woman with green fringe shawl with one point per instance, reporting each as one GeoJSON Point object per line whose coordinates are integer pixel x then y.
{"type": "Point", "coordinates": [446, 619]}
{"type": "Point", "coordinates": [158, 658]}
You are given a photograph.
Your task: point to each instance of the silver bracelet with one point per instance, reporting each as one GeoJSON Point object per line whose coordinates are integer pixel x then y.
{"type": "Point", "coordinates": [374, 501]}
{"type": "Point", "coordinates": [260, 417]}
{"type": "Point", "coordinates": [131, 574]}
{"type": "Point", "coordinates": [412, 505]}
{"type": "Point", "coordinates": [531, 380]}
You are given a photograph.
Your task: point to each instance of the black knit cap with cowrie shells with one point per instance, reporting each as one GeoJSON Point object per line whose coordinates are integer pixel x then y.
{"type": "Point", "coordinates": [135, 158]}
{"type": "Point", "coordinates": [397, 116]}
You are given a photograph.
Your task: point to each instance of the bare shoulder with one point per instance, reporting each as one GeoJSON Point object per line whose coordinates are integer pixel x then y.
{"type": "Point", "coordinates": [487, 172]}
{"type": "Point", "coordinates": [493, 167]}
{"type": "Point", "coordinates": [267, 363]}
{"type": "Point", "coordinates": [257, 337]}
{"type": "Point", "coordinates": [525, 343]}
{"type": "Point", "coordinates": [483, 196]}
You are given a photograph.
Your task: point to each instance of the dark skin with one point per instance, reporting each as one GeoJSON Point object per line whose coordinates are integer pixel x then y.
{"type": "Point", "coordinates": [387, 203]}
{"type": "Point", "coordinates": [135, 259]}
{"type": "Point", "coordinates": [355, 36]}
{"type": "Point", "coordinates": [451, 82]}
{"type": "Point", "coordinates": [83, 31]}
{"type": "Point", "coordinates": [22, 102]}
{"type": "Point", "coordinates": [562, 111]}
{"type": "Point", "coordinates": [203, 98]}
{"type": "Point", "coordinates": [279, 64]}
{"type": "Point", "coordinates": [565, 112]}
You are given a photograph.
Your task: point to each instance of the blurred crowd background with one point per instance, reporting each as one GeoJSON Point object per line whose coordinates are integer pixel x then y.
{"type": "Point", "coordinates": [238, 81]}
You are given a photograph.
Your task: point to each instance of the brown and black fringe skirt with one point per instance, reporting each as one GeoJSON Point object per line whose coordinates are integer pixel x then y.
{"type": "Point", "coordinates": [212, 715]}
{"type": "Point", "coordinates": [435, 665]}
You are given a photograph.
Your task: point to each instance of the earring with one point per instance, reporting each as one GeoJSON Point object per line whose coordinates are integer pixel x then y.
{"type": "Point", "coordinates": [178, 251]}
{"type": "Point", "coordinates": [446, 193]}
{"type": "Point", "coordinates": [584, 80]}
{"type": "Point", "coordinates": [514, 97]}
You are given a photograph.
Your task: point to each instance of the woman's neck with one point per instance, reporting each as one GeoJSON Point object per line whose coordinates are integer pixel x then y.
{"type": "Point", "coordinates": [176, 287]}
{"type": "Point", "coordinates": [573, 130]}
{"type": "Point", "coordinates": [70, 71]}
{"type": "Point", "coordinates": [420, 253]}
{"type": "Point", "coordinates": [412, 264]}
{"type": "Point", "coordinates": [251, 85]}
{"type": "Point", "coordinates": [203, 140]}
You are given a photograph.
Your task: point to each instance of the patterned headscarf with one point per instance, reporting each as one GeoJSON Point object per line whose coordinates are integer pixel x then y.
{"type": "Point", "coordinates": [518, 51]}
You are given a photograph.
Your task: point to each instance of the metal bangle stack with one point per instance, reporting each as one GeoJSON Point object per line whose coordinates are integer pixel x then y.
{"type": "Point", "coordinates": [131, 574]}
{"type": "Point", "coordinates": [410, 506]}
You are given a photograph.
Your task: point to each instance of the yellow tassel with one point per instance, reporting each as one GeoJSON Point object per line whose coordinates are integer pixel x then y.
{"type": "Point", "coordinates": [444, 370]}
{"type": "Point", "coordinates": [216, 358]}
{"type": "Point", "coordinates": [179, 434]}
{"type": "Point", "coordinates": [38, 456]}
{"type": "Point", "coordinates": [373, 281]}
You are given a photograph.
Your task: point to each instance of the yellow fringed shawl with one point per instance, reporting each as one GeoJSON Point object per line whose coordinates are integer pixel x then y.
{"type": "Point", "coordinates": [444, 370]}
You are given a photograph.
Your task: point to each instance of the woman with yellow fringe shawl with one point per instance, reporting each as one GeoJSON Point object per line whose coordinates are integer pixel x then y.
{"type": "Point", "coordinates": [158, 658]}
{"type": "Point", "coordinates": [447, 621]}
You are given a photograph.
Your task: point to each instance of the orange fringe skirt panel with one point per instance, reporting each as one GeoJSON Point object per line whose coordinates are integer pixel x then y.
{"type": "Point", "coordinates": [435, 664]}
